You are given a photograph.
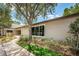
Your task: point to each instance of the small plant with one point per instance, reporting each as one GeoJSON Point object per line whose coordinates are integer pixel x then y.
{"type": "Point", "coordinates": [73, 39]}
{"type": "Point", "coordinates": [25, 38]}
{"type": "Point", "coordinates": [54, 45]}
{"type": "Point", "coordinates": [38, 51]}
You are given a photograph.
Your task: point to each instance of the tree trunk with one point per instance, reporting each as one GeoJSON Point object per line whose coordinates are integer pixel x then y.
{"type": "Point", "coordinates": [30, 37]}
{"type": "Point", "coordinates": [30, 34]}
{"type": "Point", "coordinates": [30, 30]}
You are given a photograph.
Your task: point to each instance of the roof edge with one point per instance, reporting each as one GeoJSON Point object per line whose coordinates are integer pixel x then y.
{"type": "Point", "coordinates": [76, 14]}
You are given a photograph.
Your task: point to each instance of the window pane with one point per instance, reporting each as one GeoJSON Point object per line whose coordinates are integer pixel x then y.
{"type": "Point", "coordinates": [9, 31]}
{"type": "Point", "coordinates": [42, 30]}
{"type": "Point", "coordinates": [38, 30]}
{"type": "Point", "coordinates": [32, 30]}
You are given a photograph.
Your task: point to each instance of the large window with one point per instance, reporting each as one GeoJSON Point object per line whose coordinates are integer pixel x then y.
{"type": "Point", "coordinates": [9, 31]}
{"type": "Point", "coordinates": [39, 30]}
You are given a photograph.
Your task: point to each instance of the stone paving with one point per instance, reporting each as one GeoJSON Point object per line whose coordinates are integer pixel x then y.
{"type": "Point", "coordinates": [2, 52]}
{"type": "Point", "coordinates": [12, 49]}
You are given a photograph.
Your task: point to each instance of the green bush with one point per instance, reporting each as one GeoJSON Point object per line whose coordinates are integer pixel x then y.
{"type": "Point", "coordinates": [73, 39]}
{"type": "Point", "coordinates": [38, 51]}
{"type": "Point", "coordinates": [25, 38]}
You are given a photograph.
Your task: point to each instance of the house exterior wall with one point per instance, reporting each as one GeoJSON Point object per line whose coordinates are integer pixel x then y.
{"type": "Point", "coordinates": [58, 29]}
{"type": "Point", "coordinates": [7, 33]}
{"type": "Point", "coordinates": [25, 31]}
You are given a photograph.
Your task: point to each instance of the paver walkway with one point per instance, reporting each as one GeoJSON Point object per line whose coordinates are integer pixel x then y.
{"type": "Point", "coordinates": [12, 49]}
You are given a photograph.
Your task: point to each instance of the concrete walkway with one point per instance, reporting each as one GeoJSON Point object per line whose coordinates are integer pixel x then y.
{"type": "Point", "coordinates": [12, 49]}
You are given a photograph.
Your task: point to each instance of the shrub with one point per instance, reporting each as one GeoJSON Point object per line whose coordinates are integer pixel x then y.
{"type": "Point", "coordinates": [54, 45]}
{"type": "Point", "coordinates": [73, 39]}
{"type": "Point", "coordinates": [38, 51]}
{"type": "Point", "coordinates": [25, 38]}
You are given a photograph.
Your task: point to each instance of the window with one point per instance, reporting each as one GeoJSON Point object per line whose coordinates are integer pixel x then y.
{"type": "Point", "coordinates": [18, 32]}
{"type": "Point", "coordinates": [42, 30]}
{"type": "Point", "coordinates": [9, 31]}
{"type": "Point", "coordinates": [39, 30]}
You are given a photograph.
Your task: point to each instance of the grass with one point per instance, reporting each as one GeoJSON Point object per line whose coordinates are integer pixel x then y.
{"type": "Point", "coordinates": [38, 51]}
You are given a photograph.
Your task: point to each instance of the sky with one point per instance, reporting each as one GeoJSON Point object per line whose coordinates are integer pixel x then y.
{"type": "Point", "coordinates": [59, 9]}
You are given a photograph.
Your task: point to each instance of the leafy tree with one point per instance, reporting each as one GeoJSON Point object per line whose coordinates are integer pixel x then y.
{"type": "Point", "coordinates": [5, 17]}
{"type": "Point", "coordinates": [66, 12]}
{"type": "Point", "coordinates": [73, 39]}
{"type": "Point", "coordinates": [30, 12]}
{"type": "Point", "coordinates": [73, 9]}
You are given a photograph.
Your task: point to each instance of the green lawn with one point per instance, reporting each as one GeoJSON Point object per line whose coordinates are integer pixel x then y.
{"type": "Point", "coordinates": [38, 51]}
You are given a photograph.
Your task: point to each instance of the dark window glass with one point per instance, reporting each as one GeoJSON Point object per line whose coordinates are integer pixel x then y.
{"type": "Point", "coordinates": [39, 31]}
{"type": "Point", "coordinates": [42, 30]}
{"type": "Point", "coordinates": [9, 31]}
{"type": "Point", "coordinates": [18, 32]}
{"type": "Point", "coordinates": [32, 30]}
{"type": "Point", "coordinates": [36, 31]}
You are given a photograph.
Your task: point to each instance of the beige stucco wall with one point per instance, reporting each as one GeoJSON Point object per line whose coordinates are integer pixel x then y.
{"type": "Point", "coordinates": [54, 29]}
{"type": "Point", "coordinates": [58, 29]}
{"type": "Point", "coordinates": [25, 31]}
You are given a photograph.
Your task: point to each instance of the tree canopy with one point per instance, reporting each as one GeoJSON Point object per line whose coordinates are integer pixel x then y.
{"type": "Point", "coordinates": [73, 9]}
{"type": "Point", "coordinates": [5, 17]}
{"type": "Point", "coordinates": [28, 12]}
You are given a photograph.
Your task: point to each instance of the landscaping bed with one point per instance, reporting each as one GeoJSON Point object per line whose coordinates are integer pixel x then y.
{"type": "Point", "coordinates": [38, 51]}
{"type": "Point", "coordinates": [4, 39]}
{"type": "Point", "coordinates": [58, 46]}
